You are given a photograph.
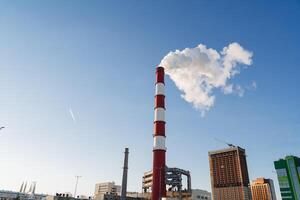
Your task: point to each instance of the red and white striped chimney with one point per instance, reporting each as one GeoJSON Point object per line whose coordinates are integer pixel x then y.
{"type": "Point", "coordinates": [159, 148]}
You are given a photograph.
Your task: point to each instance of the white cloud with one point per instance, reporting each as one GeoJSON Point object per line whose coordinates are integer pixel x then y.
{"type": "Point", "coordinates": [72, 115]}
{"type": "Point", "coordinates": [254, 85]}
{"type": "Point", "coordinates": [198, 71]}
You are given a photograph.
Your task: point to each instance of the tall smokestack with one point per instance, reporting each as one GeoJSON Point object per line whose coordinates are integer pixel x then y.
{"type": "Point", "coordinates": [124, 178]}
{"type": "Point", "coordinates": [159, 148]}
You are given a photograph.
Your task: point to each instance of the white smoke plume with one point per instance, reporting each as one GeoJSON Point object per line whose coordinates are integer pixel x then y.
{"type": "Point", "coordinates": [198, 71]}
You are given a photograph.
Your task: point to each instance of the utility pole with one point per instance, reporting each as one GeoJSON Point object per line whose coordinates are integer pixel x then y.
{"type": "Point", "coordinates": [77, 177]}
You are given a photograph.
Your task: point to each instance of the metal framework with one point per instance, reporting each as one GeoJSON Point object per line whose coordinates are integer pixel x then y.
{"type": "Point", "coordinates": [173, 179]}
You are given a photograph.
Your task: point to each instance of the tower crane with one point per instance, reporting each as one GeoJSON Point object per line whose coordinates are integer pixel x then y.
{"type": "Point", "coordinates": [224, 142]}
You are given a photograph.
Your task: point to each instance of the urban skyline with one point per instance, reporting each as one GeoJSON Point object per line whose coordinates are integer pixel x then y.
{"type": "Point", "coordinates": [77, 85]}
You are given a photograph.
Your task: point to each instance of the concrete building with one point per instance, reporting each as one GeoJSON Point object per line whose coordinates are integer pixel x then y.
{"type": "Point", "coordinates": [107, 188]}
{"type": "Point", "coordinates": [198, 194]}
{"type": "Point", "coordinates": [229, 174]}
{"type": "Point", "coordinates": [288, 173]}
{"type": "Point", "coordinates": [263, 189]}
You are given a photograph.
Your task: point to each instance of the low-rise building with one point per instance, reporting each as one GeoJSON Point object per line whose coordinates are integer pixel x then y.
{"type": "Point", "coordinates": [107, 188]}
{"type": "Point", "coordinates": [9, 195]}
{"type": "Point", "coordinates": [117, 197]}
{"type": "Point", "coordinates": [198, 194]}
{"type": "Point", "coordinates": [66, 196]}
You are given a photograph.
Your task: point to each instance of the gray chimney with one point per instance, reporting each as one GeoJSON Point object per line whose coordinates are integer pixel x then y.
{"type": "Point", "coordinates": [124, 179]}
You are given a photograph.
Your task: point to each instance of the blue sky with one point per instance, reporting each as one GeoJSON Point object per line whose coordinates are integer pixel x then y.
{"type": "Point", "coordinates": [99, 57]}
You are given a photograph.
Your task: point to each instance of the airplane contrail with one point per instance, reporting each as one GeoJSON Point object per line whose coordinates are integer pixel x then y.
{"type": "Point", "coordinates": [72, 115]}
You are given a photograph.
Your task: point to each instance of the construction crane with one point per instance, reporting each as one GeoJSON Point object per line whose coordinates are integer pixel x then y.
{"type": "Point", "coordinates": [224, 142]}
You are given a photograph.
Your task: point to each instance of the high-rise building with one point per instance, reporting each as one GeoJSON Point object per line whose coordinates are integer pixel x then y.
{"type": "Point", "coordinates": [229, 174]}
{"type": "Point", "coordinates": [288, 173]}
{"type": "Point", "coordinates": [263, 189]}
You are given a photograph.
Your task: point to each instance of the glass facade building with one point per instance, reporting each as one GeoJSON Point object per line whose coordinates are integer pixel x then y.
{"type": "Point", "coordinates": [288, 173]}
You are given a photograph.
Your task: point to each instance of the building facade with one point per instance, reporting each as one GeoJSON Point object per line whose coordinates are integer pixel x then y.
{"type": "Point", "coordinates": [101, 189]}
{"type": "Point", "coordinates": [263, 189]}
{"type": "Point", "coordinates": [66, 196]}
{"type": "Point", "coordinates": [229, 174]}
{"type": "Point", "coordinates": [10, 195]}
{"type": "Point", "coordinates": [288, 173]}
{"type": "Point", "coordinates": [198, 194]}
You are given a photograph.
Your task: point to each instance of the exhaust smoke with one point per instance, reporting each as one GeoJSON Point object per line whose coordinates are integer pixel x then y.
{"type": "Point", "coordinates": [198, 71]}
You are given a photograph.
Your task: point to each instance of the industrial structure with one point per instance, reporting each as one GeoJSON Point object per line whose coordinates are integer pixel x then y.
{"type": "Point", "coordinates": [263, 189]}
{"type": "Point", "coordinates": [10, 195]}
{"type": "Point", "coordinates": [174, 183]}
{"type": "Point", "coordinates": [125, 173]}
{"type": "Point", "coordinates": [288, 173]}
{"type": "Point", "coordinates": [31, 189]}
{"type": "Point", "coordinates": [159, 148]}
{"type": "Point", "coordinates": [229, 174]}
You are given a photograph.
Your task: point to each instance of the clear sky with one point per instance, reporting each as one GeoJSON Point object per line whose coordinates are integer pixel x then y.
{"type": "Point", "coordinates": [98, 59]}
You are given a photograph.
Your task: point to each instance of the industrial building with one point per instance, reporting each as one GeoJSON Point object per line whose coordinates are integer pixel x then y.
{"type": "Point", "coordinates": [288, 173]}
{"type": "Point", "coordinates": [25, 193]}
{"type": "Point", "coordinates": [174, 177]}
{"type": "Point", "coordinates": [263, 189]}
{"type": "Point", "coordinates": [174, 183]}
{"type": "Point", "coordinates": [229, 174]}
{"type": "Point", "coordinates": [10, 195]}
